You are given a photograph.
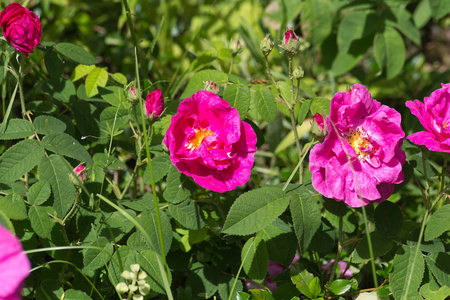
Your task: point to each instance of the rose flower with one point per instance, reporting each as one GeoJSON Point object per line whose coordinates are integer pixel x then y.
{"type": "Point", "coordinates": [21, 27]}
{"type": "Point", "coordinates": [434, 115]}
{"type": "Point", "coordinates": [208, 142]}
{"type": "Point", "coordinates": [361, 155]}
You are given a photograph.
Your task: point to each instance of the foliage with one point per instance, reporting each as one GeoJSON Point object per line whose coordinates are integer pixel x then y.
{"type": "Point", "coordinates": [69, 103]}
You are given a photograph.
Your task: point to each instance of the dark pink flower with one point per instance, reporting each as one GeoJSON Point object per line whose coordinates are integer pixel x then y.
{"type": "Point", "coordinates": [318, 118]}
{"type": "Point", "coordinates": [289, 35]}
{"type": "Point", "coordinates": [80, 170]}
{"type": "Point", "coordinates": [154, 104]}
{"type": "Point", "coordinates": [208, 142]}
{"type": "Point", "coordinates": [434, 115]}
{"type": "Point", "coordinates": [21, 27]}
{"type": "Point", "coordinates": [362, 152]}
{"type": "Point", "coordinates": [14, 266]}
{"type": "Point", "coordinates": [342, 267]}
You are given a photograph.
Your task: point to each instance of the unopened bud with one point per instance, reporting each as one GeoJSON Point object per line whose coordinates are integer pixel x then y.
{"type": "Point", "coordinates": [236, 46]}
{"type": "Point", "coordinates": [122, 288]}
{"type": "Point", "coordinates": [318, 127]}
{"type": "Point", "coordinates": [142, 275]}
{"type": "Point", "coordinates": [154, 106]}
{"type": "Point", "coordinates": [138, 297]}
{"type": "Point", "coordinates": [135, 268]}
{"type": "Point", "coordinates": [131, 95]}
{"type": "Point", "coordinates": [211, 86]}
{"type": "Point", "coordinates": [266, 45]}
{"type": "Point", "coordinates": [291, 44]}
{"type": "Point", "coordinates": [132, 288]}
{"type": "Point", "coordinates": [127, 275]}
{"type": "Point", "coordinates": [298, 73]}
{"type": "Point", "coordinates": [144, 289]}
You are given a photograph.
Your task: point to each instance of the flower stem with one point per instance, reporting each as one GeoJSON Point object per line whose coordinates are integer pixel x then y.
{"type": "Point", "coordinates": [338, 255]}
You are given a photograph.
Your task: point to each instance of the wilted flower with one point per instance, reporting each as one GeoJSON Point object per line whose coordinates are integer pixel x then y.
{"type": "Point", "coordinates": [208, 142]}
{"type": "Point", "coordinates": [80, 170]}
{"type": "Point", "coordinates": [362, 152]}
{"type": "Point", "coordinates": [154, 104]}
{"type": "Point", "coordinates": [14, 266]}
{"type": "Point", "coordinates": [21, 27]}
{"type": "Point", "coordinates": [434, 115]}
{"type": "Point", "coordinates": [266, 45]}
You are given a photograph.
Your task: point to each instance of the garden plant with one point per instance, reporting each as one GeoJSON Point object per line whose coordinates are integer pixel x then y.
{"type": "Point", "coordinates": [183, 149]}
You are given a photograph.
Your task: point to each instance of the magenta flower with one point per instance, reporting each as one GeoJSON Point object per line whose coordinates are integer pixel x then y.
{"type": "Point", "coordinates": [208, 142]}
{"type": "Point", "coordinates": [342, 267]}
{"type": "Point", "coordinates": [289, 35]}
{"type": "Point", "coordinates": [14, 266]}
{"type": "Point", "coordinates": [434, 116]}
{"type": "Point", "coordinates": [21, 27]}
{"type": "Point", "coordinates": [154, 104]}
{"type": "Point", "coordinates": [362, 151]}
{"type": "Point", "coordinates": [80, 170]}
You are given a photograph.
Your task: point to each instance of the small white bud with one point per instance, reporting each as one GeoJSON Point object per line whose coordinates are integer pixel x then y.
{"type": "Point", "coordinates": [122, 288]}
{"type": "Point", "coordinates": [144, 289]}
{"type": "Point", "coordinates": [135, 268]}
{"type": "Point", "coordinates": [142, 275]}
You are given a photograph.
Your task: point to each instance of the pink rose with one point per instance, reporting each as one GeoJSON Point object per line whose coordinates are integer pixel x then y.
{"type": "Point", "coordinates": [289, 35]}
{"type": "Point", "coordinates": [154, 104]}
{"type": "Point", "coordinates": [367, 134]}
{"type": "Point", "coordinates": [208, 142]}
{"type": "Point", "coordinates": [21, 27]}
{"type": "Point", "coordinates": [434, 116]}
{"type": "Point", "coordinates": [14, 266]}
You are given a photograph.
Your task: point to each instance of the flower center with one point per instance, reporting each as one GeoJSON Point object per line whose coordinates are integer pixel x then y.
{"type": "Point", "coordinates": [445, 124]}
{"type": "Point", "coordinates": [361, 144]}
{"type": "Point", "coordinates": [197, 139]}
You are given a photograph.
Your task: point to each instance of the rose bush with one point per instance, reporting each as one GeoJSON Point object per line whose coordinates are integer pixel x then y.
{"type": "Point", "coordinates": [208, 142]}
{"type": "Point", "coordinates": [434, 115]}
{"type": "Point", "coordinates": [14, 266]}
{"type": "Point", "coordinates": [21, 27]}
{"type": "Point", "coordinates": [362, 151]}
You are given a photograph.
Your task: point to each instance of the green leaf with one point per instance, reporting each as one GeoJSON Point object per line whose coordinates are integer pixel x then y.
{"type": "Point", "coordinates": [75, 53]}
{"type": "Point", "coordinates": [317, 18]}
{"type": "Point", "coordinates": [97, 77]}
{"type": "Point", "coordinates": [279, 233]}
{"type": "Point", "coordinates": [261, 294]}
{"type": "Point", "coordinates": [122, 259]}
{"type": "Point", "coordinates": [61, 89]}
{"type": "Point", "coordinates": [71, 294]}
{"type": "Point", "coordinates": [402, 20]}
{"type": "Point", "coordinates": [302, 281]}
{"type": "Point", "coordinates": [114, 95]}
{"type": "Point", "coordinates": [160, 166]}
{"type": "Point", "coordinates": [353, 26]}
{"type": "Point", "coordinates": [80, 71]}
{"type": "Point", "coordinates": [54, 64]}
{"type": "Point", "coordinates": [254, 210]}
{"type": "Point", "coordinates": [17, 129]}
{"type": "Point", "coordinates": [441, 294]}
{"type": "Point", "coordinates": [304, 109]}
{"type": "Point", "coordinates": [407, 275]}
{"type": "Point", "coordinates": [197, 81]}
{"type": "Point", "coordinates": [64, 144]}
{"type": "Point", "coordinates": [388, 218]}
{"type": "Point", "coordinates": [39, 193]}
{"type": "Point", "coordinates": [380, 246]}
{"type": "Point", "coordinates": [305, 216]}
{"type": "Point", "coordinates": [439, 8]}
{"type": "Point", "coordinates": [422, 14]}
{"type": "Point", "coordinates": [188, 214]}
{"type": "Point", "coordinates": [42, 107]}
{"type": "Point", "coordinates": [438, 223]}
{"type": "Point", "coordinates": [389, 51]}
{"type": "Point", "coordinates": [112, 121]}
{"type": "Point", "coordinates": [20, 159]}
{"type": "Point", "coordinates": [48, 124]}
{"type": "Point", "coordinates": [238, 95]}
{"type": "Point", "coordinates": [320, 106]}
{"type": "Point", "coordinates": [148, 221]}
{"type": "Point", "coordinates": [340, 286]}
{"type": "Point", "coordinates": [265, 102]}
{"type": "Point", "coordinates": [119, 78]}
{"type": "Point", "coordinates": [439, 264]}
{"type": "Point", "coordinates": [148, 260]}
{"type": "Point", "coordinates": [176, 190]}
{"type": "Point", "coordinates": [97, 258]}
{"type": "Point", "coordinates": [86, 116]}
{"type": "Point", "coordinates": [40, 221]}
{"type": "Point", "coordinates": [4, 220]}
{"type": "Point", "coordinates": [225, 286]}
{"type": "Point", "coordinates": [57, 171]}
{"type": "Point", "coordinates": [243, 296]}
{"type": "Point", "coordinates": [13, 207]}
{"type": "Point", "coordinates": [255, 258]}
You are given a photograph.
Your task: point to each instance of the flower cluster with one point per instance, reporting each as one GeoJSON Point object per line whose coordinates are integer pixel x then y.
{"type": "Point", "coordinates": [21, 27]}
{"type": "Point", "coordinates": [135, 281]}
{"type": "Point", "coordinates": [208, 141]}
{"type": "Point", "coordinates": [14, 266]}
{"type": "Point", "coordinates": [360, 160]}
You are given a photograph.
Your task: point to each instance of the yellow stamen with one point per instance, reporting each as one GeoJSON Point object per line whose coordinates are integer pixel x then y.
{"type": "Point", "coordinates": [356, 141]}
{"type": "Point", "coordinates": [200, 134]}
{"type": "Point", "coordinates": [445, 124]}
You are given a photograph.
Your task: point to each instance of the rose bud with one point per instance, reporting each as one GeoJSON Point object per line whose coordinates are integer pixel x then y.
{"type": "Point", "coordinates": [154, 104]}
